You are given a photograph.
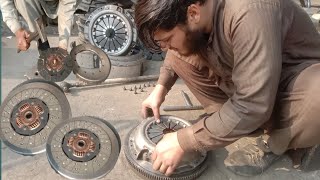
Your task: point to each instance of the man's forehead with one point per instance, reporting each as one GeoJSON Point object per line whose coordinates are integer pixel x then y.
{"type": "Point", "coordinates": [161, 34]}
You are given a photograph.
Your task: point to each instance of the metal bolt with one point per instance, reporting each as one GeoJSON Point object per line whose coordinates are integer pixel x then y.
{"type": "Point", "coordinates": [149, 84]}
{"type": "Point", "coordinates": [124, 88]}
{"type": "Point", "coordinates": [135, 91]}
{"type": "Point", "coordinates": [142, 90]}
{"type": "Point", "coordinates": [140, 86]}
{"type": "Point", "coordinates": [131, 89]}
{"type": "Point", "coordinates": [144, 85]}
{"type": "Point", "coordinates": [135, 87]}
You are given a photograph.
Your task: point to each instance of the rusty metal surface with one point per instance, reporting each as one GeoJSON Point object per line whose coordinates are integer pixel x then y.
{"type": "Point", "coordinates": [55, 64]}
{"type": "Point", "coordinates": [94, 75]}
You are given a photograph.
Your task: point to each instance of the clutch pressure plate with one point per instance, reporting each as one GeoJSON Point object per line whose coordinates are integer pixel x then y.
{"type": "Point", "coordinates": [142, 140]}
{"type": "Point", "coordinates": [111, 29]}
{"type": "Point", "coordinates": [29, 113]}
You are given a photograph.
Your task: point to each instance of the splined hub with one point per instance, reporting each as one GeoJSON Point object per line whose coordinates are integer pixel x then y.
{"type": "Point", "coordinates": [83, 148]}
{"type": "Point", "coordinates": [142, 140]}
{"type": "Point", "coordinates": [81, 145]}
{"type": "Point", "coordinates": [55, 64]}
{"type": "Point", "coordinates": [29, 113]}
{"type": "Point", "coordinates": [110, 29]}
{"type": "Point", "coordinates": [29, 116]}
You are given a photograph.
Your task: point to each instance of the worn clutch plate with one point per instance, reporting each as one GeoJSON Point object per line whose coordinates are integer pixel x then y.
{"type": "Point", "coordinates": [101, 66]}
{"type": "Point", "coordinates": [29, 113]}
{"type": "Point", "coordinates": [55, 64]}
{"type": "Point", "coordinates": [111, 29]}
{"type": "Point", "coordinates": [142, 140]}
{"type": "Point", "coordinates": [83, 148]}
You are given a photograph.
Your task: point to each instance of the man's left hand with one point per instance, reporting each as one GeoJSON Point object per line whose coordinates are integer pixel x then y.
{"type": "Point", "coordinates": [167, 154]}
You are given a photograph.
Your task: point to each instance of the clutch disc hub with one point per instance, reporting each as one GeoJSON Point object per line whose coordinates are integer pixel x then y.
{"type": "Point", "coordinates": [29, 113]}
{"type": "Point", "coordinates": [142, 140]}
{"type": "Point", "coordinates": [29, 116]}
{"type": "Point", "coordinates": [110, 29]}
{"type": "Point", "coordinates": [55, 64]}
{"type": "Point", "coordinates": [83, 148]}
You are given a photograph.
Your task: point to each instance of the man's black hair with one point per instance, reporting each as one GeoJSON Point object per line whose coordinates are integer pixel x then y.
{"type": "Point", "coordinates": [151, 15]}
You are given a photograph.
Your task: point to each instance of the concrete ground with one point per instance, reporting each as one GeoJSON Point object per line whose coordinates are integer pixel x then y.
{"type": "Point", "coordinates": [121, 109]}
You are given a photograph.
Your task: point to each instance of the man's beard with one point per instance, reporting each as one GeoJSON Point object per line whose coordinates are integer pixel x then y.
{"type": "Point", "coordinates": [196, 42]}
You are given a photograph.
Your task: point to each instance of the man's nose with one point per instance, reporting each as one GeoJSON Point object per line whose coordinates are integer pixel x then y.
{"type": "Point", "coordinates": [164, 46]}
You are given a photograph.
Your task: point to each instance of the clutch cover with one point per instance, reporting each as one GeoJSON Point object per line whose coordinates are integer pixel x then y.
{"type": "Point", "coordinates": [111, 29]}
{"type": "Point", "coordinates": [55, 64]}
{"type": "Point", "coordinates": [142, 140]}
{"type": "Point", "coordinates": [91, 75]}
{"type": "Point", "coordinates": [83, 148]}
{"type": "Point", "coordinates": [29, 113]}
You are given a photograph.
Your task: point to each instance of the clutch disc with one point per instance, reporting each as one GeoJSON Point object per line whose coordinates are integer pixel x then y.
{"type": "Point", "coordinates": [110, 29]}
{"type": "Point", "coordinates": [55, 64]}
{"type": "Point", "coordinates": [29, 113]}
{"type": "Point", "coordinates": [99, 72]}
{"type": "Point", "coordinates": [83, 148]}
{"type": "Point", "coordinates": [142, 140]}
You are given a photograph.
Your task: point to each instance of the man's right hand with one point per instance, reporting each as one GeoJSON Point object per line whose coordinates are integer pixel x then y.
{"type": "Point", "coordinates": [154, 100]}
{"type": "Point", "coordinates": [22, 39]}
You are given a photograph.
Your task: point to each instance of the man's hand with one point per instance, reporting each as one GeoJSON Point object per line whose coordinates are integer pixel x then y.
{"type": "Point", "coordinates": [167, 154]}
{"type": "Point", "coordinates": [154, 100]}
{"type": "Point", "coordinates": [22, 39]}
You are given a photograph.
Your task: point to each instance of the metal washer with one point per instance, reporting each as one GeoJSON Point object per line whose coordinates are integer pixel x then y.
{"type": "Point", "coordinates": [58, 109]}
{"type": "Point", "coordinates": [94, 168]}
{"type": "Point", "coordinates": [55, 64]}
{"type": "Point", "coordinates": [110, 29]}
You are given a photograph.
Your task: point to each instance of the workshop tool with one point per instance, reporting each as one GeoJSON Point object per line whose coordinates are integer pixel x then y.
{"type": "Point", "coordinates": [188, 106]}
{"type": "Point", "coordinates": [142, 140]}
{"type": "Point", "coordinates": [83, 148]}
{"type": "Point", "coordinates": [67, 86]}
{"type": "Point", "coordinates": [32, 36]}
{"type": "Point", "coordinates": [28, 114]}
{"type": "Point", "coordinates": [39, 33]}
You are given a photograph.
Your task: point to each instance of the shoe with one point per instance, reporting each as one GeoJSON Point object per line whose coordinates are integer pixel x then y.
{"type": "Point", "coordinates": [250, 161]}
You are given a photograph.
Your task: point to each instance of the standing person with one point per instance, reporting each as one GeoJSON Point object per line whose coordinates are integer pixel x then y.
{"type": "Point", "coordinates": [33, 9]}
{"type": "Point", "coordinates": [251, 64]}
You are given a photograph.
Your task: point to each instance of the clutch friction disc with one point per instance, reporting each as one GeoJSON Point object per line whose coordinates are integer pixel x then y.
{"type": "Point", "coordinates": [97, 74]}
{"type": "Point", "coordinates": [55, 64]}
{"type": "Point", "coordinates": [29, 113]}
{"type": "Point", "coordinates": [142, 140]}
{"type": "Point", "coordinates": [110, 29]}
{"type": "Point", "coordinates": [83, 148]}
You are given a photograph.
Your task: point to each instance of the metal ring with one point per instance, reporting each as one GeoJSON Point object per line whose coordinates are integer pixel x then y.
{"type": "Point", "coordinates": [91, 75]}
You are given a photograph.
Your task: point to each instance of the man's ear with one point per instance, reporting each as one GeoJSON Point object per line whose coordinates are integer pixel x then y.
{"type": "Point", "coordinates": [193, 14]}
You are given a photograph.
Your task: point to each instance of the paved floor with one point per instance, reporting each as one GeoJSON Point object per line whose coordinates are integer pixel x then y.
{"type": "Point", "coordinates": [120, 108]}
